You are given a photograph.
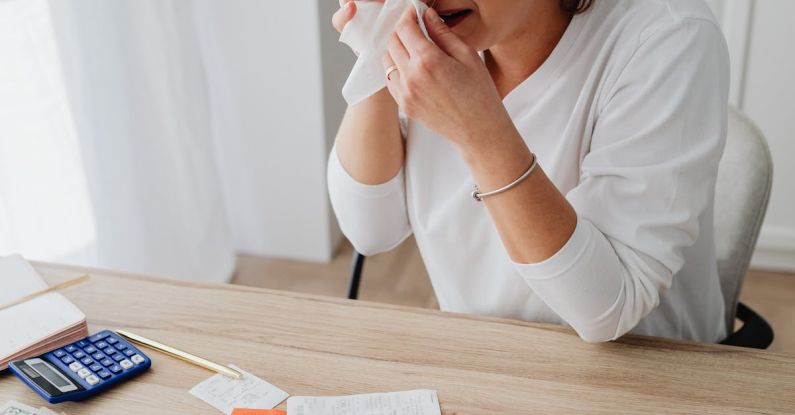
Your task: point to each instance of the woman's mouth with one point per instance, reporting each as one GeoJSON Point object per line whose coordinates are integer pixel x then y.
{"type": "Point", "coordinates": [454, 17]}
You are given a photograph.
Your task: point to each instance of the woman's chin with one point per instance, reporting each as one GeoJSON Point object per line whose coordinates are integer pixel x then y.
{"type": "Point", "coordinates": [470, 40]}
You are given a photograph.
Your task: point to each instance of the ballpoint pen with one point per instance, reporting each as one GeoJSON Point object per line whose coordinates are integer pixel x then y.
{"type": "Point", "coordinates": [179, 354]}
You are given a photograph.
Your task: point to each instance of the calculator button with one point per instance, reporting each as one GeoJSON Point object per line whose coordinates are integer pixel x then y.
{"type": "Point", "coordinates": [137, 359]}
{"type": "Point", "coordinates": [115, 368]}
{"type": "Point", "coordinates": [86, 361]}
{"type": "Point", "coordinates": [104, 374]}
{"type": "Point", "coordinates": [121, 346]}
{"type": "Point", "coordinates": [74, 367]}
{"type": "Point", "coordinates": [59, 353]}
{"type": "Point", "coordinates": [107, 362]}
{"type": "Point", "coordinates": [112, 340]}
{"type": "Point", "coordinates": [97, 337]}
{"type": "Point", "coordinates": [96, 367]}
{"type": "Point", "coordinates": [70, 348]}
{"type": "Point", "coordinates": [67, 359]}
{"type": "Point", "coordinates": [92, 380]}
{"type": "Point", "coordinates": [129, 352]}
{"type": "Point", "coordinates": [126, 364]}
{"type": "Point", "coordinates": [102, 345]}
{"type": "Point", "coordinates": [83, 373]}
{"type": "Point", "coordinates": [98, 356]}
{"type": "Point", "coordinates": [78, 355]}
{"type": "Point", "coordinates": [90, 349]}
{"type": "Point", "coordinates": [118, 357]}
{"type": "Point", "coordinates": [82, 343]}
{"type": "Point", "coordinates": [109, 351]}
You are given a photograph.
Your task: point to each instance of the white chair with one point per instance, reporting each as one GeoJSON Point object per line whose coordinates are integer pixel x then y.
{"type": "Point", "coordinates": [745, 176]}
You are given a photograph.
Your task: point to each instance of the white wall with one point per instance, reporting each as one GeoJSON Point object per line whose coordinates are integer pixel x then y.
{"type": "Point", "coordinates": [760, 34]}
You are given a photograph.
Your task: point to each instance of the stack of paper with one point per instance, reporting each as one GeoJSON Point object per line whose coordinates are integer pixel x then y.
{"type": "Point", "coordinates": [413, 402]}
{"type": "Point", "coordinates": [254, 396]}
{"type": "Point", "coordinates": [36, 326]}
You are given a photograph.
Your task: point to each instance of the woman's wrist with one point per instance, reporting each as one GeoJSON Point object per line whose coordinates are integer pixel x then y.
{"type": "Point", "coordinates": [496, 157]}
{"type": "Point", "coordinates": [485, 130]}
{"type": "Point", "coordinates": [489, 142]}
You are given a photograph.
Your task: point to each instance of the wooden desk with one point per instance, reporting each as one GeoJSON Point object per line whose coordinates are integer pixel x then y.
{"type": "Point", "coordinates": [309, 345]}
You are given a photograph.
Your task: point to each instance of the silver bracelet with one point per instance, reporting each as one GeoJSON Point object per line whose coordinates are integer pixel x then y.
{"type": "Point", "coordinates": [478, 195]}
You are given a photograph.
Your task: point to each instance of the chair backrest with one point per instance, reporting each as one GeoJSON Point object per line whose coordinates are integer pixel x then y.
{"type": "Point", "coordinates": [745, 175]}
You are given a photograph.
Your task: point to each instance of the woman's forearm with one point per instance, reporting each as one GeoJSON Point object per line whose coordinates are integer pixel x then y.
{"type": "Point", "coordinates": [534, 219]}
{"type": "Point", "coordinates": [369, 143]}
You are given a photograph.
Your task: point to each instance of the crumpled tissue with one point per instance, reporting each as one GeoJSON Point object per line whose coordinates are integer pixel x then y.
{"type": "Point", "coordinates": [368, 33]}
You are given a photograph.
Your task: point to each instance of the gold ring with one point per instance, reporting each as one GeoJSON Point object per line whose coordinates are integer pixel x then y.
{"type": "Point", "coordinates": [389, 71]}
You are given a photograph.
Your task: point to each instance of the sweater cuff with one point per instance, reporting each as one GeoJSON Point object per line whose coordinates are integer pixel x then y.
{"type": "Point", "coordinates": [344, 181]}
{"type": "Point", "coordinates": [564, 260]}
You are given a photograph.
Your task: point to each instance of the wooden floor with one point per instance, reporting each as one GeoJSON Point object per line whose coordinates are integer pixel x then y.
{"type": "Point", "coordinates": [399, 277]}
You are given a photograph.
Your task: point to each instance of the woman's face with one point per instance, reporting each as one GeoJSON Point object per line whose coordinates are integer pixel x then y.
{"type": "Point", "coordinates": [485, 23]}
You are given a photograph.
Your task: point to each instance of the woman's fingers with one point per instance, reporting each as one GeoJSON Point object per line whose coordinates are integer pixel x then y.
{"type": "Point", "coordinates": [391, 70]}
{"type": "Point", "coordinates": [392, 75]}
{"type": "Point", "coordinates": [444, 38]}
{"type": "Point", "coordinates": [344, 14]}
{"type": "Point", "coordinates": [408, 29]}
{"type": "Point", "coordinates": [397, 52]}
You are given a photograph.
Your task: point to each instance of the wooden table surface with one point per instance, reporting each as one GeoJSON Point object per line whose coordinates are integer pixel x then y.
{"type": "Point", "coordinates": [310, 345]}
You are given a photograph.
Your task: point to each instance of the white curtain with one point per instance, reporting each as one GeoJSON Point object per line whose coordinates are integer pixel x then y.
{"type": "Point", "coordinates": [106, 149]}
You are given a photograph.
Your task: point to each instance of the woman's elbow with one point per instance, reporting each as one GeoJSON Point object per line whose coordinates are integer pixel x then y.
{"type": "Point", "coordinates": [596, 333]}
{"type": "Point", "coordinates": [369, 243]}
{"type": "Point", "coordinates": [368, 248]}
{"type": "Point", "coordinates": [632, 305]}
{"type": "Point", "coordinates": [599, 326]}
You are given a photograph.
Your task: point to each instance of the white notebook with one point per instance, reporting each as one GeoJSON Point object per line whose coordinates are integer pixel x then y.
{"type": "Point", "coordinates": [38, 325]}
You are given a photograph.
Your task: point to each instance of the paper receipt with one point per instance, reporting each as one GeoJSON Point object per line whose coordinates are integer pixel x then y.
{"type": "Point", "coordinates": [226, 394]}
{"type": "Point", "coordinates": [414, 402]}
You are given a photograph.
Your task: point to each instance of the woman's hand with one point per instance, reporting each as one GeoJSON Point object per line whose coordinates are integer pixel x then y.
{"type": "Point", "coordinates": [445, 85]}
{"type": "Point", "coordinates": [344, 15]}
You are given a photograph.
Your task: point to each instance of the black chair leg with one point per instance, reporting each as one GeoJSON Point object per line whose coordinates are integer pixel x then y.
{"type": "Point", "coordinates": [755, 333]}
{"type": "Point", "coordinates": [356, 275]}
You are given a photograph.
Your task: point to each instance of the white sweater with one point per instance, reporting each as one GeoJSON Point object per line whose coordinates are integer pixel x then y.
{"type": "Point", "coordinates": [628, 118]}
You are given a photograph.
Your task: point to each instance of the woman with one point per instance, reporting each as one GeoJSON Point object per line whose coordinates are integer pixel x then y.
{"type": "Point", "coordinates": [593, 131]}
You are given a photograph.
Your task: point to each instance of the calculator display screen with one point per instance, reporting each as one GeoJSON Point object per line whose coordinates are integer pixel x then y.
{"type": "Point", "coordinates": [55, 378]}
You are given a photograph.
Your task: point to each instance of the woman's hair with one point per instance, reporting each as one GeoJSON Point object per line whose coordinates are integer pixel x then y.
{"type": "Point", "coordinates": [575, 6]}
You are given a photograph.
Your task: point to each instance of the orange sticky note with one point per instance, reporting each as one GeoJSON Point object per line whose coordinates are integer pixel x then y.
{"type": "Point", "coordinates": [244, 411]}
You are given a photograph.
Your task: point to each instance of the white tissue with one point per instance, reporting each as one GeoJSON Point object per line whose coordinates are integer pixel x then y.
{"type": "Point", "coordinates": [368, 33]}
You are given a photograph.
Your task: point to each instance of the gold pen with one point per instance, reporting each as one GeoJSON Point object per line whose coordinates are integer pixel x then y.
{"type": "Point", "coordinates": [179, 354]}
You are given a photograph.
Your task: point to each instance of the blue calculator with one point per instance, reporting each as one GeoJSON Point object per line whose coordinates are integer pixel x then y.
{"type": "Point", "coordinates": [82, 369]}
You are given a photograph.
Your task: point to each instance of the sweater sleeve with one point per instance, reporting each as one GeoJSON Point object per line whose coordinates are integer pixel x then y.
{"type": "Point", "coordinates": [373, 217]}
{"type": "Point", "coordinates": [644, 185]}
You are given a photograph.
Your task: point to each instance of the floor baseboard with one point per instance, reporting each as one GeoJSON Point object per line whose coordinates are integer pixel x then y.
{"type": "Point", "coordinates": [775, 250]}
